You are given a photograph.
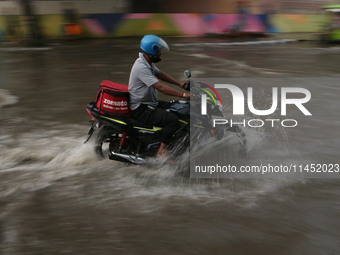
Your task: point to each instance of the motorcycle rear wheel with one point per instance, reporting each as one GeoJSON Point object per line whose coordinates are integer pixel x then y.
{"type": "Point", "coordinates": [107, 138]}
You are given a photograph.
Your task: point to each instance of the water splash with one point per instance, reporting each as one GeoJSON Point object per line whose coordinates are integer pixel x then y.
{"type": "Point", "coordinates": [7, 99]}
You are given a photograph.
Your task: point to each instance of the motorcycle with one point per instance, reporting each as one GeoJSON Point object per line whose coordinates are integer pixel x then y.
{"type": "Point", "coordinates": [128, 140]}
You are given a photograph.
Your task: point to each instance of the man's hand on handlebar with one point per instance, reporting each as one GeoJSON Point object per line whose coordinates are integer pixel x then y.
{"type": "Point", "coordinates": [182, 83]}
{"type": "Point", "coordinates": [186, 95]}
{"type": "Point", "coordinates": [186, 86]}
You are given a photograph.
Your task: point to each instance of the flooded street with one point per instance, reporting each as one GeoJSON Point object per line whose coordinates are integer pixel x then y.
{"type": "Point", "coordinates": [58, 197]}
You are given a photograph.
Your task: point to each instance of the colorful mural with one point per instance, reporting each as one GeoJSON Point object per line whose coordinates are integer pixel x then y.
{"type": "Point", "coordinates": [184, 24]}
{"type": "Point", "coordinates": [172, 24]}
{"type": "Point", "coordinates": [176, 24]}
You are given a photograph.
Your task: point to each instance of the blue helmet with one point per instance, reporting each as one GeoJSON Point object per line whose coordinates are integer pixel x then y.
{"type": "Point", "coordinates": [150, 44]}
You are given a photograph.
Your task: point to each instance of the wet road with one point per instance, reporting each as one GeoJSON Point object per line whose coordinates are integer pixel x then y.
{"type": "Point", "coordinates": [57, 197]}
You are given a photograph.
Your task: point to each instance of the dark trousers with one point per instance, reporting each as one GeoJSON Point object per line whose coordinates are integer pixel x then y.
{"type": "Point", "coordinates": [157, 116]}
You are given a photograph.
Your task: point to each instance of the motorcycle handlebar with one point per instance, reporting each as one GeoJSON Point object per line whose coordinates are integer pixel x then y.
{"type": "Point", "coordinates": [186, 86]}
{"type": "Point", "coordinates": [193, 91]}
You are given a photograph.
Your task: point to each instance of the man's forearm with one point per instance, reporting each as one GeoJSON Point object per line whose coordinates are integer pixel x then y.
{"type": "Point", "coordinates": [164, 77]}
{"type": "Point", "coordinates": [167, 90]}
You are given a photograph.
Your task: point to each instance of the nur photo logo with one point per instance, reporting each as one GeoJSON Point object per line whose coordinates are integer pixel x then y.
{"type": "Point", "coordinates": [238, 105]}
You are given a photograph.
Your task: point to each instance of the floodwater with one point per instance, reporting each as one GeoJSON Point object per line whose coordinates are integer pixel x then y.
{"type": "Point", "coordinates": [57, 197]}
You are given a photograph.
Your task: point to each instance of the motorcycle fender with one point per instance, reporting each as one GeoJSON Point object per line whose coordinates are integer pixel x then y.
{"type": "Point", "coordinates": [95, 124]}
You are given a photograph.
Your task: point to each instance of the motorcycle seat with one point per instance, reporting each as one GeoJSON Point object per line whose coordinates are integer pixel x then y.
{"type": "Point", "coordinates": [130, 121]}
{"type": "Point", "coordinates": [136, 123]}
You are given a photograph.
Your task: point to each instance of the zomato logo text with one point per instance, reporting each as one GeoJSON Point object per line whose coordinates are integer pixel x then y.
{"type": "Point", "coordinates": [115, 103]}
{"type": "Point", "coordinates": [238, 102]}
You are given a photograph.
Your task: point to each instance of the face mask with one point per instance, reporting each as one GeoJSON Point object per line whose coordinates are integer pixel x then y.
{"type": "Point", "coordinates": [154, 58]}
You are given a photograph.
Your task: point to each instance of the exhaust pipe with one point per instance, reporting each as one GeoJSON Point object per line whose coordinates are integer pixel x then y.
{"type": "Point", "coordinates": [126, 158]}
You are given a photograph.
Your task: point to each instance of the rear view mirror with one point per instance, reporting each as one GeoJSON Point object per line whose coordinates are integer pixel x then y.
{"type": "Point", "coordinates": [187, 73]}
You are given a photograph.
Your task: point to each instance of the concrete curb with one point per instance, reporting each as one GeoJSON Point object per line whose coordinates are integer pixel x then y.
{"type": "Point", "coordinates": [25, 49]}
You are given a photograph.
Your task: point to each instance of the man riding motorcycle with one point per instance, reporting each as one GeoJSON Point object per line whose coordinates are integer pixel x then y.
{"type": "Point", "coordinates": [143, 86]}
{"type": "Point", "coordinates": [134, 126]}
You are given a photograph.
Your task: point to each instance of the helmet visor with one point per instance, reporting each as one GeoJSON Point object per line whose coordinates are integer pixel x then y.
{"type": "Point", "coordinates": [163, 45]}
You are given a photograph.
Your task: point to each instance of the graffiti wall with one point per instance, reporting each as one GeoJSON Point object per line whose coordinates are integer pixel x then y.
{"type": "Point", "coordinates": [175, 24]}
{"type": "Point", "coordinates": [182, 24]}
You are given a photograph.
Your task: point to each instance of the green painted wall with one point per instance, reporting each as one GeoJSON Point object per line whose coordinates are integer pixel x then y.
{"type": "Point", "coordinates": [298, 23]}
